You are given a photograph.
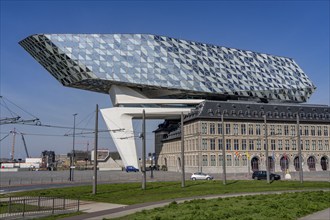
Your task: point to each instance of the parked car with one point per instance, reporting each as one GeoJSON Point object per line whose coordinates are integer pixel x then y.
{"type": "Point", "coordinates": [262, 175]}
{"type": "Point", "coordinates": [131, 169]}
{"type": "Point", "coordinates": [201, 176]}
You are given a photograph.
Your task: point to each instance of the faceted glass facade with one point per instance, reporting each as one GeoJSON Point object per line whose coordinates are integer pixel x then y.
{"type": "Point", "coordinates": [97, 61]}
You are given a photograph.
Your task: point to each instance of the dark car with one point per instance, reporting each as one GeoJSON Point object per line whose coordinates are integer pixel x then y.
{"type": "Point", "coordinates": [262, 175]}
{"type": "Point", "coordinates": [131, 169]}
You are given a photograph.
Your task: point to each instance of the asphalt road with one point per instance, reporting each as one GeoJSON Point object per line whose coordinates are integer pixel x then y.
{"type": "Point", "coordinates": [30, 180]}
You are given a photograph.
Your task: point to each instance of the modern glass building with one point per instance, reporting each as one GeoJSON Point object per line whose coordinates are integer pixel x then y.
{"type": "Point", "coordinates": [185, 69]}
{"type": "Point", "coordinates": [164, 76]}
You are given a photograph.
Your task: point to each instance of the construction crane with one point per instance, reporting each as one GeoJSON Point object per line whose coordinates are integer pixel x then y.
{"type": "Point", "coordinates": [24, 143]}
{"type": "Point", "coordinates": [14, 132]}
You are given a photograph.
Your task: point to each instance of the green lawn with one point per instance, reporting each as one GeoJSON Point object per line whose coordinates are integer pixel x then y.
{"type": "Point", "coordinates": [276, 206]}
{"type": "Point", "coordinates": [15, 207]}
{"type": "Point", "coordinates": [131, 193]}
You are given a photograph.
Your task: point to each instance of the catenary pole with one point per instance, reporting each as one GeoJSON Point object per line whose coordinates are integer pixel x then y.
{"type": "Point", "coordinates": [95, 149]}
{"type": "Point", "coordinates": [223, 152]}
{"type": "Point", "coordinates": [73, 147]}
{"type": "Point", "coordinates": [299, 152]}
{"type": "Point", "coordinates": [182, 153]}
{"type": "Point", "coordinates": [144, 178]}
{"type": "Point", "coordinates": [266, 146]}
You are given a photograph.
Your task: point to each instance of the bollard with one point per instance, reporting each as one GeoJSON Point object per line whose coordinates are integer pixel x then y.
{"type": "Point", "coordinates": [31, 180]}
{"type": "Point", "coordinates": [53, 206]}
{"type": "Point", "coordinates": [23, 207]}
{"type": "Point", "coordinates": [9, 205]}
{"type": "Point", "coordinates": [78, 204]}
{"type": "Point", "coordinates": [9, 182]}
{"type": "Point", "coordinates": [38, 203]}
{"type": "Point", "coordinates": [63, 203]}
{"type": "Point", "coordinates": [20, 182]}
{"type": "Point", "coordinates": [51, 180]}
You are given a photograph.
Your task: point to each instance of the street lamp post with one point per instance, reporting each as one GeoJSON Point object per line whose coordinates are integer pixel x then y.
{"type": "Point", "coordinates": [95, 149]}
{"type": "Point", "coordinates": [183, 183]}
{"type": "Point", "coordinates": [144, 178]}
{"type": "Point", "coordinates": [266, 146]}
{"type": "Point", "coordinates": [73, 154]}
{"type": "Point", "coordinates": [299, 151]}
{"type": "Point", "coordinates": [223, 151]}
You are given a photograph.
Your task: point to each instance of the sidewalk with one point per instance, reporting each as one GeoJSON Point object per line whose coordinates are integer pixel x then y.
{"type": "Point", "coordinates": [122, 210]}
{"type": "Point", "coordinates": [321, 215]}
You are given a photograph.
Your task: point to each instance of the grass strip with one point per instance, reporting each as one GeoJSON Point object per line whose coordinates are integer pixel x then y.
{"type": "Point", "coordinates": [270, 207]}
{"type": "Point", "coordinates": [131, 193]}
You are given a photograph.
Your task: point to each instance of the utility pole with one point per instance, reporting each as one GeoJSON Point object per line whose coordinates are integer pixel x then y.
{"type": "Point", "coordinates": [152, 165]}
{"type": "Point", "coordinates": [266, 146]}
{"type": "Point", "coordinates": [73, 149]}
{"type": "Point", "coordinates": [182, 154]}
{"type": "Point", "coordinates": [144, 177]}
{"type": "Point", "coordinates": [95, 149]}
{"type": "Point", "coordinates": [299, 151]}
{"type": "Point", "coordinates": [223, 151]}
{"type": "Point", "coordinates": [13, 146]}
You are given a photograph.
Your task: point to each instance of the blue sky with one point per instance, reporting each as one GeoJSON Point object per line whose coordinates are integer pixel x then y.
{"type": "Point", "coordinates": [297, 29]}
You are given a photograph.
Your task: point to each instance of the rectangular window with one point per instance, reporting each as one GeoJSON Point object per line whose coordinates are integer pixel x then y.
{"type": "Point", "coordinates": [227, 128]}
{"type": "Point", "coordinates": [212, 144]}
{"type": "Point", "coordinates": [258, 131]}
{"type": "Point", "coordinates": [243, 129]}
{"type": "Point", "coordinates": [244, 160]}
{"type": "Point", "coordinates": [204, 128]}
{"type": "Point", "coordinates": [313, 130]}
{"type": "Point", "coordinates": [235, 129]}
{"type": "Point", "coordinates": [286, 130]}
{"type": "Point", "coordinates": [272, 129]}
{"type": "Point", "coordinates": [326, 145]}
{"type": "Point", "coordinates": [320, 145]}
{"type": "Point", "coordinates": [301, 145]}
{"type": "Point", "coordinates": [319, 131]}
{"type": "Point", "coordinates": [280, 145]}
{"type": "Point", "coordinates": [204, 144]}
{"type": "Point", "coordinates": [300, 130]}
{"type": "Point", "coordinates": [251, 145]}
{"type": "Point", "coordinates": [279, 130]}
{"type": "Point", "coordinates": [272, 145]}
{"type": "Point", "coordinates": [258, 144]}
{"type": "Point", "coordinates": [287, 145]}
{"type": "Point", "coordinates": [219, 128]}
{"type": "Point", "coordinates": [220, 160]}
{"type": "Point", "coordinates": [250, 129]}
{"type": "Point", "coordinates": [220, 144]}
{"type": "Point", "coordinates": [325, 131]}
{"type": "Point", "coordinates": [235, 144]}
{"type": "Point", "coordinates": [294, 145]}
{"type": "Point", "coordinates": [293, 130]}
{"type": "Point", "coordinates": [212, 128]}
{"type": "Point", "coordinates": [205, 162]}
{"type": "Point", "coordinates": [306, 130]}
{"type": "Point", "coordinates": [229, 163]}
{"type": "Point", "coordinates": [313, 145]}
{"type": "Point", "coordinates": [307, 145]}
{"type": "Point", "coordinates": [243, 144]}
{"type": "Point", "coordinates": [228, 144]}
{"type": "Point", "coordinates": [213, 160]}
{"type": "Point", "coordinates": [236, 161]}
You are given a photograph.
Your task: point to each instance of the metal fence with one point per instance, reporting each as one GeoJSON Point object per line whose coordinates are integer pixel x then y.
{"type": "Point", "coordinates": [33, 207]}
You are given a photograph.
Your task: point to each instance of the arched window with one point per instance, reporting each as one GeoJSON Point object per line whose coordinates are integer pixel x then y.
{"type": "Point", "coordinates": [255, 164]}
{"type": "Point", "coordinates": [284, 163]}
{"type": "Point", "coordinates": [324, 163]}
{"type": "Point", "coordinates": [311, 163]}
{"type": "Point", "coordinates": [296, 163]}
